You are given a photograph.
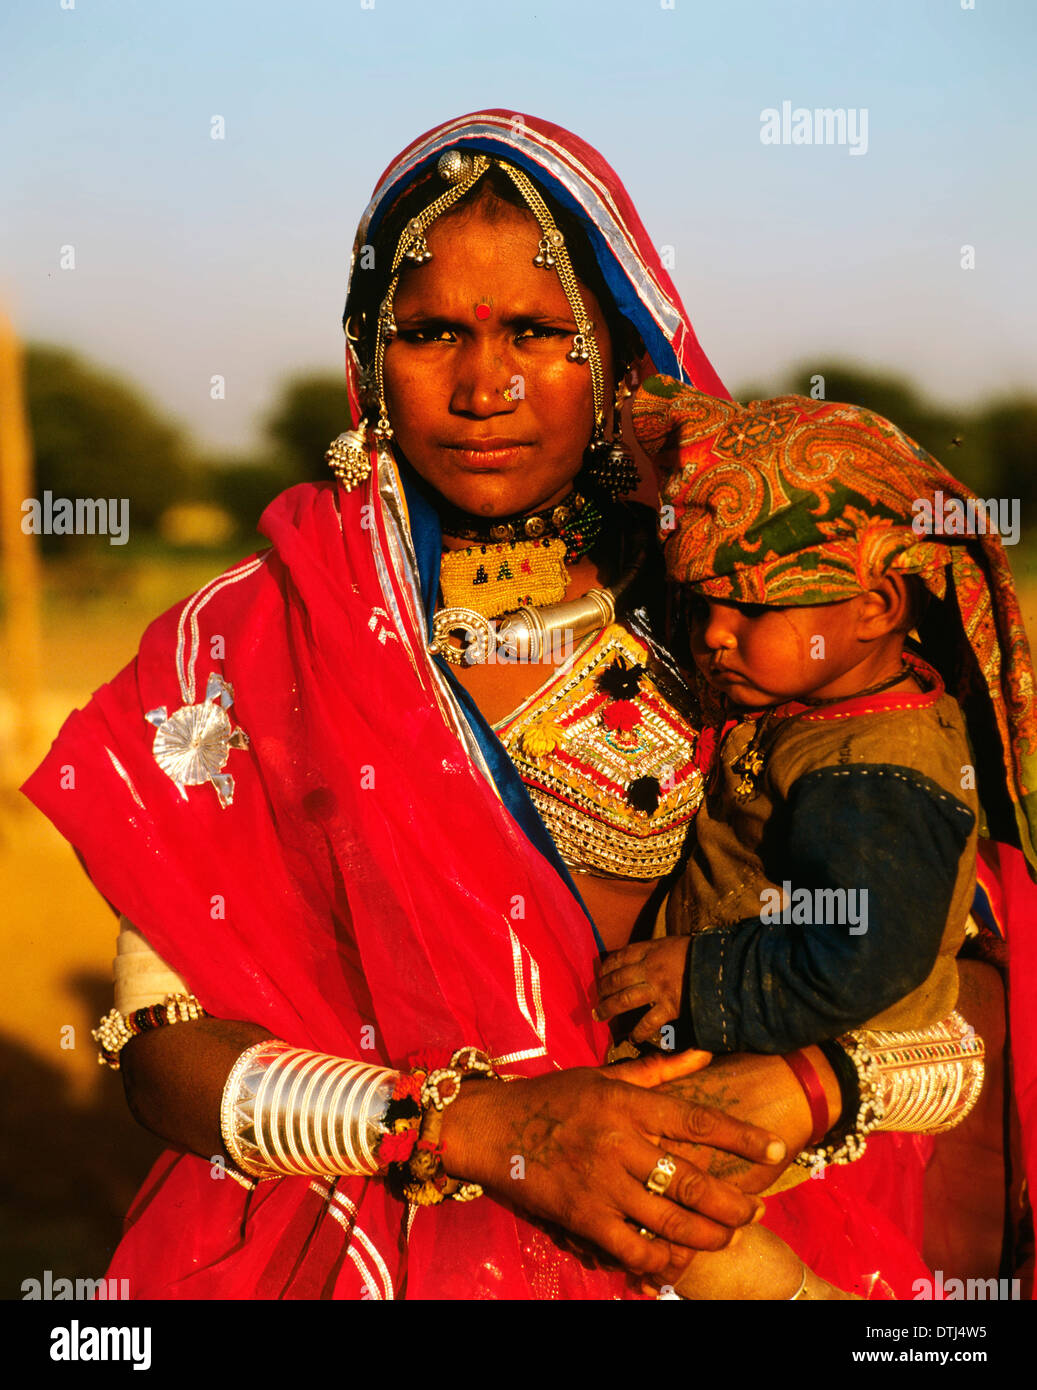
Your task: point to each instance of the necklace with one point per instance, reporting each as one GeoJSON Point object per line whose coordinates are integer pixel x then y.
{"type": "Point", "coordinates": [494, 579]}
{"type": "Point", "coordinates": [528, 634]}
{"type": "Point", "coordinates": [465, 635]}
{"type": "Point", "coordinates": [751, 763]}
{"type": "Point", "coordinates": [577, 520]}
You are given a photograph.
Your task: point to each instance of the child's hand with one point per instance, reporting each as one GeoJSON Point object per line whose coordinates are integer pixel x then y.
{"type": "Point", "coordinates": [648, 973]}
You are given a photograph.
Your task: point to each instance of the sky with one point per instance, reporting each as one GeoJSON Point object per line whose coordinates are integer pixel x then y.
{"type": "Point", "coordinates": [197, 257]}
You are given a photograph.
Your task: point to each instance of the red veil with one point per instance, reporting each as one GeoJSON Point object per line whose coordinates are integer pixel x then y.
{"type": "Point", "coordinates": [367, 892]}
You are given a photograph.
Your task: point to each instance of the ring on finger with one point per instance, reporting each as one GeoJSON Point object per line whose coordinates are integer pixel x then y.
{"type": "Point", "coordinates": [648, 1235]}
{"type": "Point", "coordinates": [659, 1179]}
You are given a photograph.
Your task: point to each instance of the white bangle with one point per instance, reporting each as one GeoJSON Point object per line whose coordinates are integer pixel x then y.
{"type": "Point", "coordinates": [287, 1112]}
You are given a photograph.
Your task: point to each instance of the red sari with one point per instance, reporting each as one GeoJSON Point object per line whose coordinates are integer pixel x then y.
{"type": "Point", "coordinates": [365, 894]}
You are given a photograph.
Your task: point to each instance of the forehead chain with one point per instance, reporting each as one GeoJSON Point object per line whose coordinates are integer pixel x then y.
{"type": "Point", "coordinates": [463, 171]}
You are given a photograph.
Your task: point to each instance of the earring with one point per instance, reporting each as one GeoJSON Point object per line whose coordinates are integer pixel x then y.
{"type": "Point", "coordinates": [609, 465]}
{"type": "Point", "coordinates": [349, 459]}
{"type": "Point", "coordinates": [386, 317]}
{"type": "Point", "coordinates": [579, 352]}
{"type": "Point", "coordinates": [387, 331]}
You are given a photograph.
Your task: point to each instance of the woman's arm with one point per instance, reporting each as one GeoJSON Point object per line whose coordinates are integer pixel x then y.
{"type": "Point", "coordinates": [763, 1090]}
{"type": "Point", "coordinates": [587, 1139]}
{"type": "Point", "coordinates": [174, 1079]}
{"type": "Point", "coordinates": [574, 1148]}
{"type": "Point", "coordinates": [566, 1168]}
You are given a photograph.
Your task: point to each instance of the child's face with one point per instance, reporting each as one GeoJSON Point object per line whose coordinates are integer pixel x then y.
{"type": "Point", "coordinates": [760, 655]}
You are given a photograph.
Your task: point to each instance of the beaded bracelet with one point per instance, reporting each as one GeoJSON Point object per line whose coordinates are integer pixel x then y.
{"type": "Point", "coordinates": [850, 1146]}
{"type": "Point", "coordinates": [115, 1030]}
{"type": "Point", "coordinates": [422, 1179]}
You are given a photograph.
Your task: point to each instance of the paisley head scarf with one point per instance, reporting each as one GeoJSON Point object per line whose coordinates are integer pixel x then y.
{"type": "Point", "coordinates": [796, 501]}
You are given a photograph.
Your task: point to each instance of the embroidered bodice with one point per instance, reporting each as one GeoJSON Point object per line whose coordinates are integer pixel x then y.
{"type": "Point", "coordinates": [611, 766]}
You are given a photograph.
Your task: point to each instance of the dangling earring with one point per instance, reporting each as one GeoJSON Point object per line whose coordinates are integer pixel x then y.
{"type": "Point", "coordinates": [387, 331]}
{"type": "Point", "coordinates": [609, 465]}
{"type": "Point", "coordinates": [348, 455]}
{"type": "Point", "coordinates": [349, 459]}
{"type": "Point", "coordinates": [417, 250]}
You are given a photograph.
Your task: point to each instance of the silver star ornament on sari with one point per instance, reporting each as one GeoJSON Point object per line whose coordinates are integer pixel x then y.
{"type": "Point", "coordinates": [193, 744]}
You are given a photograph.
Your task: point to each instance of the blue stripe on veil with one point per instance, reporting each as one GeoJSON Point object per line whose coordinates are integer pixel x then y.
{"type": "Point", "coordinates": [427, 537]}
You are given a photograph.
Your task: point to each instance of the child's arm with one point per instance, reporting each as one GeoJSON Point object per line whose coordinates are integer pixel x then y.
{"type": "Point", "coordinates": [873, 851]}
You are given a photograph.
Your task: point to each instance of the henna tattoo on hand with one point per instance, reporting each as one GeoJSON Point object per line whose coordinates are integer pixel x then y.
{"type": "Point", "coordinates": [716, 1096]}
{"type": "Point", "coordinates": [535, 1136]}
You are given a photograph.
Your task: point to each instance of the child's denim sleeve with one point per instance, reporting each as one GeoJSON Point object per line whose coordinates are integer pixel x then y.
{"type": "Point", "coordinates": [868, 856]}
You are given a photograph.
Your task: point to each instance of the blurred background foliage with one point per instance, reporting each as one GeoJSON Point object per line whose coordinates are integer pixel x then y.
{"type": "Point", "coordinates": [96, 435]}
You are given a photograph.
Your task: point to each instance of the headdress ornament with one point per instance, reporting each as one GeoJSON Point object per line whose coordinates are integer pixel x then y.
{"type": "Point", "coordinates": [536, 155]}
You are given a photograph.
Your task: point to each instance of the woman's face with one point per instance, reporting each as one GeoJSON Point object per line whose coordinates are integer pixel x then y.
{"type": "Point", "coordinates": [477, 321]}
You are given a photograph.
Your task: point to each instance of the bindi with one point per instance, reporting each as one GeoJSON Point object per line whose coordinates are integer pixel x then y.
{"type": "Point", "coordinates": [482, 311]}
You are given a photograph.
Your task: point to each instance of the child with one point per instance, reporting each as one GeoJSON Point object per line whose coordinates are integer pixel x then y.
{"type": "Point", "coordinates": [832, 868]}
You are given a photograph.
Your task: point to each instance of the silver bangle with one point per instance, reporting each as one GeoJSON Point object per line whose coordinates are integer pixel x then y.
{"type": "Point", "coordinates": [923, 1081]}
{"type": "Point", "coordinates": [288, 1112]}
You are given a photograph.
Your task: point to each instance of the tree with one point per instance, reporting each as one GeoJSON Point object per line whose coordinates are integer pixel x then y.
{"type": "Point", "coordinates": [312, 411]}
{"type": "Point", "coordinates": [1009, 431]}
{"type": "Point", "coordinates": [245, 489]}
{"type": "Point", "coordinates": [94, 436]}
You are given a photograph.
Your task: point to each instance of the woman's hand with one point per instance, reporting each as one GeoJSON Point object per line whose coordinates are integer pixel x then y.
{"type": "Point", "coordinates": [648, 974]}
{"type": "Point", "coordinates": [576, 1147]}
{"type": "Point", "coordinates": [761, 1090]}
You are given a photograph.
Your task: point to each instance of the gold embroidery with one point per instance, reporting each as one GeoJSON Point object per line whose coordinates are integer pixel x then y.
{"type": "Point", "coordinates": [579, 767]}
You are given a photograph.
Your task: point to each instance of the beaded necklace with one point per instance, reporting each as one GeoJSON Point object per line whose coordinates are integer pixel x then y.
{"type": "Point", "coordinates": [577, 520]}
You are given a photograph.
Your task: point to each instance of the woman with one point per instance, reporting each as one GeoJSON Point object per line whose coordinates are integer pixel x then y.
{"type": "Point", "coordinates": [369, 875]}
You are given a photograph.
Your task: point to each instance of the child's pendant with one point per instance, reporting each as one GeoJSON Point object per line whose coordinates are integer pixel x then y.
{"type": "Point", "coordinates": [750, 765]}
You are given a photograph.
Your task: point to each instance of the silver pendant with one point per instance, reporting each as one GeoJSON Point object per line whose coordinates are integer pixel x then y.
{"type": "Point", "coordinates": [478, 641]}
{"type": "Point", "coordinates": [193, 744]}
